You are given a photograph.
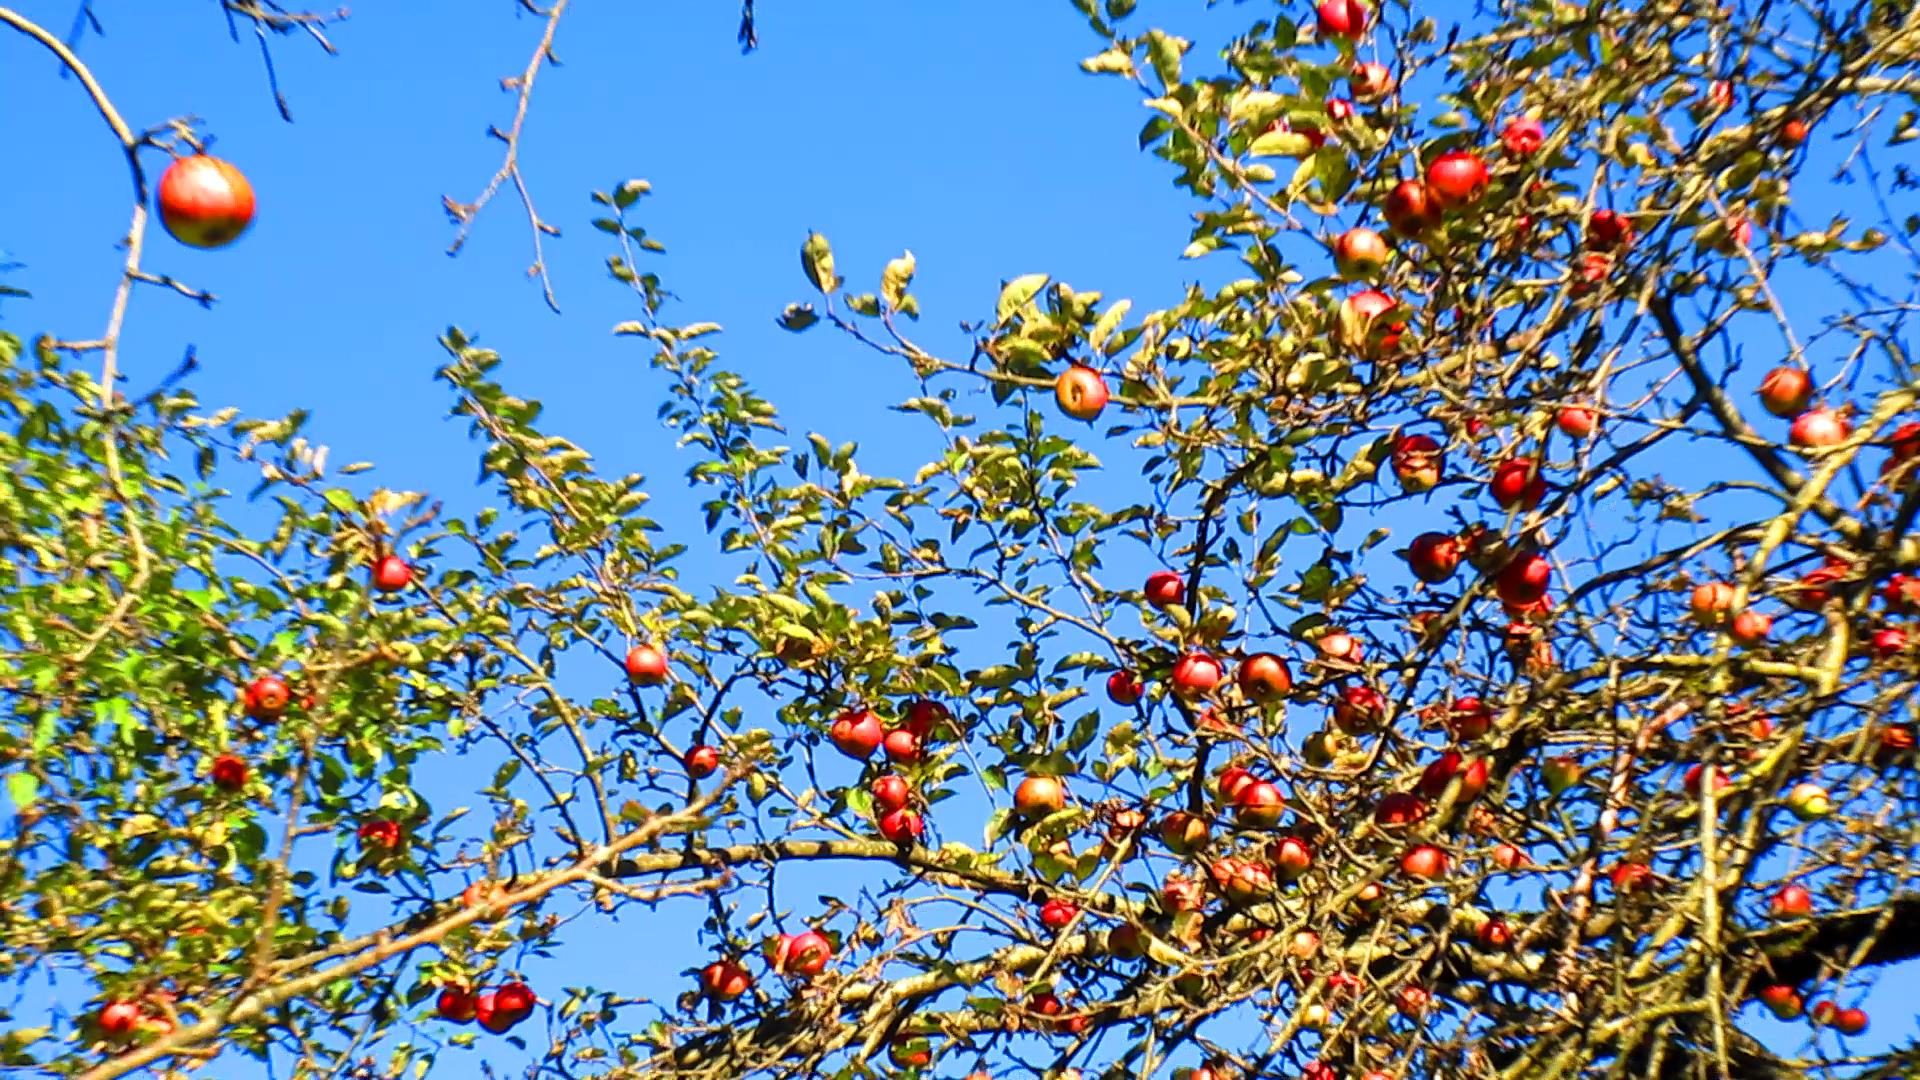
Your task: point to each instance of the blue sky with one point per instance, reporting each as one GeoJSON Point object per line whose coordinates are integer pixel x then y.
{"type": "Point", "coordinates": [963, 132]}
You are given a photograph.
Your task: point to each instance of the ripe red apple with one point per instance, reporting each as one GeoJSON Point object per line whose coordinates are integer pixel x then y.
{"type": "Point", "coordinates": [1819, 427]}
{"type": "Point", "coordinates": [1793, 133]}
{"type": "Point", "coordinates": [1576, 421]}
{"type": "Point", "coordinates": [1126, 942]}
{"type": "Point", "coordinates": [1426, 862]}
{"type": "Point", "coordinates": [1711, 603]}
{"type": "Point", "coordinates": [1370, 81]}
{"type": "Point", "coordinates": [119, 1019]}
{"type": "Point", "coordinates": [1785, 391]}
{"type": "Point", "coordinates": [1359, 710]}
{"type": "Point", "coordinates": [890, 792]}
{"type": "Point", "coordinates": [1494, 935]}
{"type": "Point", "coordinates": [205, 202]}
{"type": "Point", "coordinates": [1694, 774]}
{"type": "Point", "coordinates": [724, 980]}
{"type": "Point", "coordinates": [1264, 678]}
{"type": "Point", "coordinates": [928, 719]}
{"type": "Point", "coordinates": [1359, 312]}
{"type": "Point", "coordinates": [804, 954]}
{"type": "Point", "coordinates": [1434, 556]}
{"type": "Point", "coordinates": [1081, 392]}
{"type": "Point", "coordinates": [902, 746]}
{"type": "Point", "coordinates": [910, 1051]}
{"type": "Point", "coordinates": [513, 1002]}
{"type": "Point", "coordinates": [1259, 805]}
{"type": "Point", "coordinates": [1183, 833]}
{"type": "Point", "coordinates": [856, 733]}
{"type": "Point", "coordinates": [488, 1013]}
{"type": "Point", "coordinates": [1038, 796]}
{"type": "Point", "coordinates": [1784, 1002]}
{"type": "Point", "coordinates": [1508, 857]}
{"type": "Point", "coordinates": [266, 698]}
{"type": "Point", "coordinates": [1457, 179]}
{"type": "Point", "coordinates": [1165, 589]}
{"type": "Point", "coordinates": [1609, 231]}
{"type": "Point", "coordinates": [391, 574]}
{"type": "Point", "coordinates": [1124, 688]}
{"type": "Point", "coordinates": [1850, 1022]}
{"type": "Point", "coordinates": [1056, 913]}
{"type": "Point", "coordinates": [1524, 580]}
{"type": "Point", "coordinates": [1360, 254]}
{"type": "Point", "coordinates": [1750, 627]}
{"type": "Point", "coordinates": [1195, 675]}
{"type": "Point", "coordinates": [1241, 881]}
{"type": "Point", "coordinates": [1339, 109]}
{"type": "Point", "coordinates": [1398, 809]}
{"type": "Point", "coordinates": [1468, 719]}
{"type": "Point", "coordinates": [1417, 461]}
{"type": "Point", "coordinates": [1291, 857]}
{"type": "Point", "coordinates": [1342, 18]}
{"type": "Point", "coordinates": [1340, 645]}
{"type": "Point", "coordinates": [1631, 877]}
{"type": "Point", "coordinates": [1471, 771]}
{"type": "Point", "coordinates": [1411, 209]}
{"type": "Point", "coordinates": [902, 826]}
{"type": "Point", "coordinates": [646, 665]}
{"type": "Point", "coordinates": [229, 772]}
{"type": "Point", "coordinates": [1888, 642]}
{"type": "Point", "coordinates": [455, 1003]}
{"type": "Point", "coordinates": [1517, 483]}
{"type": "Point", "coordinates": [1231, 781]}
{"type": "Point", "coordinates": [379, 834]}
{"type": "Point", "coordinates": [702, 761]}
{"type": "Point", "coordinates": [1523, 136]}
{"type": "Point", "coordinates": [1793, 901]}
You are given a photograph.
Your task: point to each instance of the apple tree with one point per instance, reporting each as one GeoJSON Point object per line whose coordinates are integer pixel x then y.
{"type": "Point", "coordinates": [1468, 632]}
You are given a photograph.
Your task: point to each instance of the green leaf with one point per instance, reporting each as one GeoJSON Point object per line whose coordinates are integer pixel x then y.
{"type": "Point", "coordinates": [895, 279]}
{"type": "Point", "coordinates": [1164, 51]}
{"type": "Point", "coordinates": [1016, 294]}
{"type": "Point", "coordinates": [798, 317]}
{"type": "Point", "coordinates": [629, 193]}
{"type": "Point", "coordinates": [1290, 144]}
{"type": "Point", "coordinates": [22, 789]}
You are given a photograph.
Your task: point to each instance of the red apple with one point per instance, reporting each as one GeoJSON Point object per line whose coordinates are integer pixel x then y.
{"type": "Point", "coordinates": [1793, 133]}
{"type": "Point", "coordinates": [1819, 427]}
{"type": "Point", "coordinates": [1164, 589]}
{"type": "Point", "coordinates": [229, 772]}
{"type": "Point", "coordinates": [119, 1019]}
{"type": "Point", "coordinates": [1339, 109]}
{"type": "Point", "coordinates": [455, 1003]}
{"type": "Point", "coordinates": [514, 1002]}
{"type": "Point", "coordinates": [804, 954]}
{"type": "Point", "coordinates": [724, 980]}
{"type": "Point", "coordinates": [1339, 645]}
{"type": "Point", "coordinates": [1195, 675]}
{"type": "Point", "coordinates": [1576, 421]}
{"type": "Point", "coordinates": [1751, 627]}
{"type": "Point", "coordinates": [1631, 877]}
{"type": "Point", "coordinates": [1411, 210]}
{"type": "Point", "coordinates": [646, 665]}
{"type": "Point", "coordinates": [1359, 710]}
{"type": "Point", "coordinates": [1124, 688]}
{"type": "Point", "coordinates": [1417, 461]}
{"type": "Point", "coordinates": [1523, 136]}
{"type": "Point", "coordinates": [1265, 678]}
{"type": "Point", "coordinates": [702, 761]}
{"type": "Point", "coordinates": [1457, 179]}
{"type": "Point", "coordinates": [1434, 556]}
{"type": "Point", "coordinates": [205, 202]}
{"type": "Point", "coordinates": [379, 834]}
{"type": "Point", "coordinates": [1259, 805]}
{"type": "Point", "coordinates": [1081, 392]}
{"type": "Point", "coordinates": [1711, 603]}
{"type": "Point", "coordinates": [1360, 254]}
{"type": "Point", "coordinates": [890, 792]}
{"type": "Point", "coordinates": [1126, 942]}
{"type": "Point", "coordinates": [1888, 642]}
{"type": "Point", "coordinates": [1426, 862]}
{"type": "Point", "coordinates": [1784, 1002]}
{"type": "Point", "coordinates": [391, 574]}
{"type": "Point", "coordinates": [1850, 1022]}
{"type": "Point", "coordinates": [1494, 935]}
{"type": "Point", "coordinates": [1785, 391]}
{"type": "Point", "coordinates": [1291, 857]}
{"type": "Point", "coordinates": [1609, 231]}
{"type": "Point", "coordinates": [856, 733]}
{"type": "Point", "coordinates": [1398, 809]}
{"type": "Point", "coordinates": [1370, 81]}
{"type": "Point", "coordinates": [1359, 312]}
{"type": "Point", "coordinates": [910, 1051]}
{"type": "Point", "coordinates": [1517, 483]}
{"type": "Point", "coordinates": [1342, 18]}
{"type": "Point", "coordinates": [266, 698]}
{"type": "Point", "coordinates": [1791, 902]}
{"type": "Point", "coordinates": [1183, 833]}
{"type": "Point", "coordinates": [1038, 796]}
{"type": "Point", "coordinates": [1241, 881]}
{"type": "Point", "coordinates": [1508, 857]}
{"type": "Point", "coordinates": [1471, 771]}
{"type": "Point", "coordinates": [902, 826]}
{"type": "Point", "coordinates": [928, 719]}
{"type": "Point", "coordinates": [1691, 780]}
{"type": "Point", "coordinates": [1524, 580]}
{"type": "Point", "coordinates": [1231, 781]}
{"type": "Point", "coordinates": [902, 746]}
{"type": "Point", "coordinates": [1056, 913]}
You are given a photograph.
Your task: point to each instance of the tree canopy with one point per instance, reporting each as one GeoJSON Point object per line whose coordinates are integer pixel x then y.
{"type": "Point", "coordinates": [1132, 734]}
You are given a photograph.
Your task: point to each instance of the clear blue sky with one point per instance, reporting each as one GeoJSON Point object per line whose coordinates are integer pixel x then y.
{"type": "Point", "coordinates": [963, 131]}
